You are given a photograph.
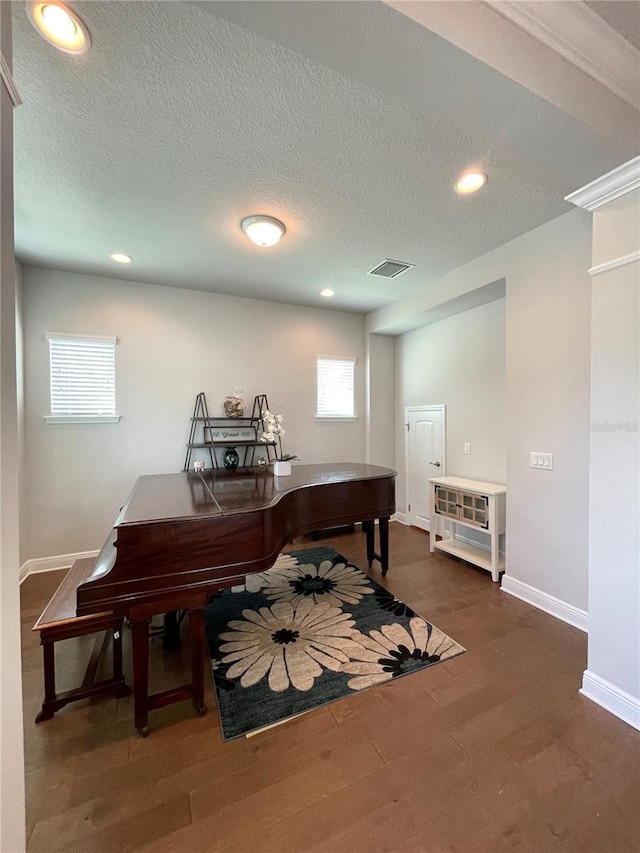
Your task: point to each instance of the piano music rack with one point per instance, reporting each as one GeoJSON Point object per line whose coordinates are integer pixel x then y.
{"type": "Point", "coordinates": [204, 428]}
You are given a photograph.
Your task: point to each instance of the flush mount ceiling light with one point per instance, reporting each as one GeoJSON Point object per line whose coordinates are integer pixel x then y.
{"type": "Point", "coordinates": [119, 258]}
{"type": "Point", "coordinates": [327, 292]}
{"type": "Point", "coordinates": [471, 181]}
{"type": "Point", "coordinates": [263, 230]}
{"type": "Point", "coordinates": [59, 25]}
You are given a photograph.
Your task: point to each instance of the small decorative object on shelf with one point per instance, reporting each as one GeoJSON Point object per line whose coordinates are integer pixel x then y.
{"type": "Point", "coordinates": [198, 465]}
{"type": "Point", "coordinates": [281, 468]}
{"type": "Point", "coordinates": [261, 461]}
{"type": "Point", "coordinates": [273, 431]}
{"type": "Point", "coordinates": [230, 459]}
{"type": "Point", "coordinates": [234, 403]}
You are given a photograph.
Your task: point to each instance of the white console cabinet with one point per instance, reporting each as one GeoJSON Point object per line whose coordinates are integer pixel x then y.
{"type": "Point", "coordinates": [471, 504]}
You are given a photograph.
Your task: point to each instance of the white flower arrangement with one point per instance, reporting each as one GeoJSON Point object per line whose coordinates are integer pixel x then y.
{"type": "Point", "coordinates": [273, 432]}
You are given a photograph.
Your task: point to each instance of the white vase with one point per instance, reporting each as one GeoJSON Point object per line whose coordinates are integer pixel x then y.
{"type": "Point", "coordinates": [281, 469]}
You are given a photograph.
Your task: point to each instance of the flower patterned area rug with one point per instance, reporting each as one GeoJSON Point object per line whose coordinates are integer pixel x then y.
{"type": "Point", "coordinates": [310, 630]}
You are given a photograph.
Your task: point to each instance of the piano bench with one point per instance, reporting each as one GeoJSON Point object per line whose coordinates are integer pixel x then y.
{"type": "Point", "coordinates": [58, 621]}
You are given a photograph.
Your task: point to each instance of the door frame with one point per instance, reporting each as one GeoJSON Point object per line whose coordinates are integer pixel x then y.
{"type": "Point", "coordinates": [440, 407]}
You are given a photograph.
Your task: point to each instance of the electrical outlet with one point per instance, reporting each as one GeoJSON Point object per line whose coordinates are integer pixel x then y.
{"type": "Point", "coordinates": [543, 461]}
{"type": "Point", "coordinates": [467, 447]}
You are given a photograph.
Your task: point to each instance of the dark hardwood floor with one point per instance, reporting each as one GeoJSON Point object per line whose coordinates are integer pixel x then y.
{"type": "Point", "coordinates": [493, 751]}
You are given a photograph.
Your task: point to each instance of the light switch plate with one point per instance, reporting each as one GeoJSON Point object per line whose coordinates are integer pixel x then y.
{"type": "Point", "coordinates": [544, 461]}
{"type": "Point", "coordinates": [467, 447]}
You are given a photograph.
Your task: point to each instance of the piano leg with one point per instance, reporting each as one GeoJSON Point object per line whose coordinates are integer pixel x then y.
{"type": "Point", "coordinates": [143, 703]}
{"type": "Point", "coordinates": [198, 639]}
{"type": "Point", "coordinates": [383, 524]}
{"type": "Point", "coordinates": [140, 643]}
{"type": "Point", "coordinates": [171, 631]}
{"type": "Point", "coordinates": [369, 529]}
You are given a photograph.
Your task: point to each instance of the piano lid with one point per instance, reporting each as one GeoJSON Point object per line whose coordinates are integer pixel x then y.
{"type": "Point", "coordinates": [222, 492]}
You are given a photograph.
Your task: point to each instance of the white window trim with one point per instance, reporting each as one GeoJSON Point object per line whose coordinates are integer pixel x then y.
{"type": "Point", "coordinates": [56, 336]}
{"type": "Point", "coordinates": [82, 419]}
{"type": "Point", "coordinates": [76, 418]}
{"type": "Point", "coordinates": [337, 418]}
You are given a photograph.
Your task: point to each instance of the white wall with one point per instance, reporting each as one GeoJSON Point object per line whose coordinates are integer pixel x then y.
{"type": "Point", "coordinates": [613, 675]}
{"type": "Point", "coordinates": [460, 362]}
{"type": "Point", "coordinates": [547, 394]}
{"type": "Point", "coordinates": [12, 803]}
{"type": "Point", "coordinates": [381, 418]}
{"type": "Point", "coordinates": [20, 397]}
{"type": "Point", "coordinates": [173, 343]}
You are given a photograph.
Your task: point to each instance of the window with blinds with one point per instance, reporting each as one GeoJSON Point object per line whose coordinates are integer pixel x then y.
{"type": "Point", "coordinates": [82, 378]}
{"type": "Point", "coordinates": [335, 382]}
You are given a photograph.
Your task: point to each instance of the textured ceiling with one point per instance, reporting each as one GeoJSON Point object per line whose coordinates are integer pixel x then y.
{"type": "Point", "coordinates": [346, 120]}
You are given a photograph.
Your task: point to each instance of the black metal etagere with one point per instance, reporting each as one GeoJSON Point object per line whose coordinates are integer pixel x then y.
{"type": "Point", "coordinates": [203, 428]}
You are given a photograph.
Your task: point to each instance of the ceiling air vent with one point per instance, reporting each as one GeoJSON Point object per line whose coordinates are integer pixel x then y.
{"type": "Point", "coordinates": [390, 269]}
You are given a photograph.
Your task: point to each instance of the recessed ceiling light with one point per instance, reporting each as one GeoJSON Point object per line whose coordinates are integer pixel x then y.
{"type": "Point", "coordinates": [471, 181]}
{"type": "Point", "coordinates": [59, 25]}
{"type": "Point", "coordinates": [263, 230]}
{"type": "Point", "coordinates": [119, 258]}
{"type": "Point", "coordinates": [327, 292]}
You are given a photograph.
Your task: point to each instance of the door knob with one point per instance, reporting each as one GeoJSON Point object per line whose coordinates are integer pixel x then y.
{"type": "Point", "coordinates": [437, 464]}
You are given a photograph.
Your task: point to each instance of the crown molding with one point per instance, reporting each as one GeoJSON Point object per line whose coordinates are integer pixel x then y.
{"type": "Point", "coordinates": [583, 38]}
{"type": "Point", "coordinates": [614, 184]}
{"type": "Point", "coordinates": [614, 264]}
{"type": "Point", "coordinates": [9, 84]}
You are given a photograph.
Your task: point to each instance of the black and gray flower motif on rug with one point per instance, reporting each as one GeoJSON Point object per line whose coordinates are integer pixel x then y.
{"type": "Point", "coordinates": [389, 602]}
{"type": "Point", "coordinates": [393, 651]}
{"type": "Point", "coordinates": [220, 679]}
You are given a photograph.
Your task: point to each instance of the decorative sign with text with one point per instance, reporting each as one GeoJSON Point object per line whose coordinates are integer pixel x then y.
{"type": "Point", "coordinates": [226, 435]}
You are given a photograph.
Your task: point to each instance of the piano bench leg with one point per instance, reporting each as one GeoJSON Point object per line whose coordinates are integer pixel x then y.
{"type": "Point", "coordinates": [115, 686]}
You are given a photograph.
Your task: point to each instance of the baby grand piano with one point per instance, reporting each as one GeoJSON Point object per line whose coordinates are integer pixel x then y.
{"type": "Point", "coordinates": [180, 537]}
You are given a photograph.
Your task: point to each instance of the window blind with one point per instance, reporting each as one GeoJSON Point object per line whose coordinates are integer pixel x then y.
{"type": "Point", "coordinates": [335, 378]}
{"type": "Point", "coordinates": [82, 375]}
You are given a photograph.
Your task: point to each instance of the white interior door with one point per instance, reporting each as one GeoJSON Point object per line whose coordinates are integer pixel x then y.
{"type": "Point", "coordinates": [424, 452]}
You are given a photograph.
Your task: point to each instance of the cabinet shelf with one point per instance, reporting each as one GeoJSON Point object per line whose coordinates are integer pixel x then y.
{"type": "Point", "coordinates": [470, 553]}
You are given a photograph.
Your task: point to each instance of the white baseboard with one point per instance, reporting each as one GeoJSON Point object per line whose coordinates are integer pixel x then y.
{"type": "Point", "coordinates": [52, 564]}
{"type": "Point", "coordinates": [618, 702]}
{"type": "Point", "coordinates": [549, 603]}
{"type": "Point", "coordinates": [401, 517]}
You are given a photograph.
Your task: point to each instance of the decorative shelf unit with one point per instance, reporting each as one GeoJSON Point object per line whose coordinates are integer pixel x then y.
{"type": "Point", "coordinates": [475, 505]}
{"type": "Point", "coordinates": [220, 433]}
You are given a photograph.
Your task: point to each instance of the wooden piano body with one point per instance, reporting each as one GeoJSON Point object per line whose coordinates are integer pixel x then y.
{"type": "Point", "coordinates": [180, 537]}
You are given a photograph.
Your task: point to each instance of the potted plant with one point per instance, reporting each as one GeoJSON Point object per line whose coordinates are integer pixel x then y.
{"type": "Point", "coordinates": [273, 432]}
